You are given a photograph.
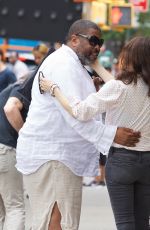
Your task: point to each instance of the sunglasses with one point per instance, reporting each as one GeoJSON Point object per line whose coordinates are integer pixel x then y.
{"type": "Point", "coordinates": [93, 40]}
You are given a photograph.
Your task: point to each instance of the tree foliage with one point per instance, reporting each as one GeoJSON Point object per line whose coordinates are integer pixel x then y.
{"type": "Point", "coordinates": [144, 24]}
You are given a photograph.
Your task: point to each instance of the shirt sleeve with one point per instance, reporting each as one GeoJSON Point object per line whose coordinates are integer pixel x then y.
{"type": "Point", "coordinates": [108, 97]}
{"type": "Point", "coordinates": [26, 87]}
{"type": "Point", "coordinates": [24, 100]}
{"type": "Point", "coordinates": [100, 135]}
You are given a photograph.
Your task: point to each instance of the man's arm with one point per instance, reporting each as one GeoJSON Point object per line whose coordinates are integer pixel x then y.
{"type": "Point", "coordinates": [12, 110]}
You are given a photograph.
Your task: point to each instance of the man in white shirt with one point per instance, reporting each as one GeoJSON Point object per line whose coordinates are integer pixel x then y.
{"type": "Point", "coordinates": [18, 67]}
{"type": "Point", "coordinates": [54, 150]}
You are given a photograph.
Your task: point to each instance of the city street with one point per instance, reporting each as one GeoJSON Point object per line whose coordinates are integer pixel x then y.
{"type": "Point", "coordinates": [96, 211]}
{"type": "Point", "coordinates": [74, 97]}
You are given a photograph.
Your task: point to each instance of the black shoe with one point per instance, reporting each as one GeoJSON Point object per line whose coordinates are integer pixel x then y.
{"type": "Point", "coordinates": [102, 183]}
{"type": "Point", "coordinates": [95, 183]}
{"type": "Point", "coordinates": [90, 184]}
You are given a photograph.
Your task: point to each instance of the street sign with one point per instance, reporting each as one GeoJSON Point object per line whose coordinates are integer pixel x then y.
{"type": "Point", "coordinates": [120, 15]}
{"type": "Point", "coordinates": [140, 5]}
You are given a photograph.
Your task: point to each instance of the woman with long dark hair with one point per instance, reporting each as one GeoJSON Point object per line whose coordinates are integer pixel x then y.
{"type": "Point", "coordinates": [126, 102]}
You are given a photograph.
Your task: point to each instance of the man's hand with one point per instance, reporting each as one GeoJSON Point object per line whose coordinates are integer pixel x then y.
{"type": "Point", "coordinates": [127, 137]}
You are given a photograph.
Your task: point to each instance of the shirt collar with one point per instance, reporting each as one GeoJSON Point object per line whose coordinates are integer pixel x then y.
{"type": "Point", "coordinates": [71, 52]}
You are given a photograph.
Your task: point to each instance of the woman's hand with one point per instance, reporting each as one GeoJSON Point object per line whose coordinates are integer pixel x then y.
{"type": "Point", "coordinates": [45, 84]}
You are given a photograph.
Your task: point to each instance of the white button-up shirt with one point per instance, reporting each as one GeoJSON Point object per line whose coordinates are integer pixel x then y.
{"type": "Point", "coordinates": [50, 133]}
{"type": "Point", "coordinates": [125, 106]}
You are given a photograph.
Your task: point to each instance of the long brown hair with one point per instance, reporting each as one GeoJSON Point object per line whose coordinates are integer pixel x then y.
{"type": "Point", "coordinates": [134, 61]}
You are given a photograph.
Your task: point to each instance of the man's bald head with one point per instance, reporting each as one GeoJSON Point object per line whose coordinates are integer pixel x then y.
{"type": "Point", "coordinates": [81, 26]}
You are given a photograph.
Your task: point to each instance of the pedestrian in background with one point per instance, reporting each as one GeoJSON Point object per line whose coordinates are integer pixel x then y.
{"type": "Point", "coordinates": [39, 52]}
{"type": "Point", "coordinates": [17, 66]}
{"type": "Point", "coordinates": [14, 105]}
{"type": "Point", "coordinates": [12, 211]}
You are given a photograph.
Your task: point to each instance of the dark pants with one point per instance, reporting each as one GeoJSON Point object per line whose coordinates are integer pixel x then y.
{"type": "Point", "coordinates": [128, 183]}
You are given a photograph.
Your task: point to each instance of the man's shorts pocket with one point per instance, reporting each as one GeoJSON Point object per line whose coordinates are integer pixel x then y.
{"type": "Point", "coordinates": [4, 161]}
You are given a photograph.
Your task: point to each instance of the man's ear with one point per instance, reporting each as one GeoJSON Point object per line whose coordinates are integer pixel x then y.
{"type": "Point", "coordinates": [74, 40]}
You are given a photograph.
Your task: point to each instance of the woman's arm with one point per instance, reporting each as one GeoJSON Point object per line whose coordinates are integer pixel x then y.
{"type": "Point", "coordinates": [94, 104]}
{"type": "Point", "coordinates": [63, 100]}
{"type": "Point", "coordinates": [101, 71]}
{"type": "Point", "coordinates": [48, 86]}
{"type": "Point", "coordinates": [87, 109]}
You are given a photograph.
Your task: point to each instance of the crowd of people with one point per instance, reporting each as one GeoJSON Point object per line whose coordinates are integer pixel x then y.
{"type": "Point", "coordinates": [58, 115]}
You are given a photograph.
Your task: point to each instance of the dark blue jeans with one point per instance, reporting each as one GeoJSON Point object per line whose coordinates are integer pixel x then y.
{"type": "Point", "coordinates": [128, 183]}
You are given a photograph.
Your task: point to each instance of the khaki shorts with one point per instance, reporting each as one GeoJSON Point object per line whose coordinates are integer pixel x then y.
{"type": "Point", "coordinates": [12, 210]}
{"type": "Point", "coordinates": [54, 182]}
